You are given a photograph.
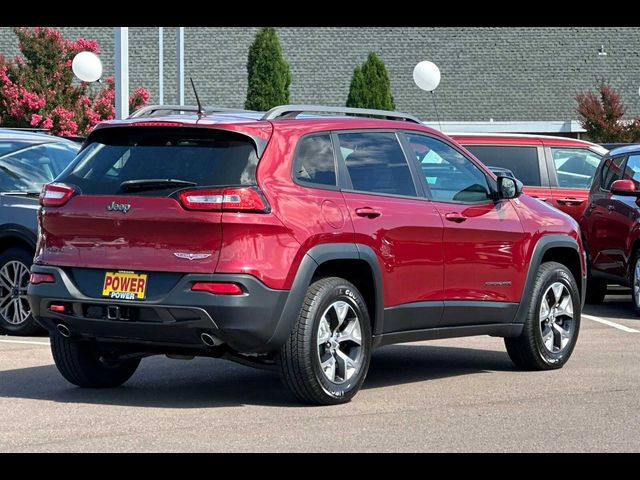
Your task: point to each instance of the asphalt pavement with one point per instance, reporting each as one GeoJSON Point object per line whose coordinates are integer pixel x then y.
{"type": "Point", "coordinates": [440, 396]}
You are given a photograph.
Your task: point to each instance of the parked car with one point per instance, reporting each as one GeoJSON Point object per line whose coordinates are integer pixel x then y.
{"type": "Point", "coordinates": [610, 224]}
{"type": "Point", "coordinates": [499, 171]}
{"type": "Point", "coordinates": [557, 170]}
{"type": "Point", "coordinates": [27, 161]}
{"type": "Point", "coordinates": [611, 146]}
{"type": "Point", "coordinates": [297, 244]}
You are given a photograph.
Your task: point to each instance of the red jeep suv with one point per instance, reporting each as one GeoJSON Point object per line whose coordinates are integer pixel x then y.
{"type": "Point", "coordinates": [295, 241]}
{"type": "Point", "coordinates": [610, 224]}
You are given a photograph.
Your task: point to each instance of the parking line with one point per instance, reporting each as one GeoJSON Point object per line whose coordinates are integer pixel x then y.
{"type": "Point", "coordinates": [24, 342]}
{"type": "Point", "coordinates": [611, 324]}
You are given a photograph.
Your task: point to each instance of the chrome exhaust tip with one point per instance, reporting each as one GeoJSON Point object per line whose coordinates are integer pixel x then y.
{"type": "Point", "coordinates": [64, 330]}
{"type": "Point", "coordinates": [209, 340]}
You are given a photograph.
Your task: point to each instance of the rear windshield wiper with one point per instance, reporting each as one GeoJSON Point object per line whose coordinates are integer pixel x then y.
{"type": "Point", "coordinates": [154, 183]}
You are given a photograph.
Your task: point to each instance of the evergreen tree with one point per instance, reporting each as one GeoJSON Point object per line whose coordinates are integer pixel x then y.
{"type": "Point", "coordinates": [370, 86]}
{"type": "Point", "coordinates": [269, 76]}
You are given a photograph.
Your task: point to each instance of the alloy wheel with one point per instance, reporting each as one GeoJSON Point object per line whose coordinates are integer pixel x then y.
{"type": "Point", "coordinates": [556, 317]}
{"type": "Point", "coordinates": [14, 278]}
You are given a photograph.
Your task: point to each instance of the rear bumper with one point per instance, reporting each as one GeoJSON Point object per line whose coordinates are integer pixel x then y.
{"type": "Point", "coordinates": [246, 323]}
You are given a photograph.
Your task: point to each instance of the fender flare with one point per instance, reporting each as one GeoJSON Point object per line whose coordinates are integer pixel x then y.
{"type": "Point", "coordinates": [315, 257]}
{"type": "Point", "coordinates": [544, 244]}
{"type": "Point", "coordinates": [12, 230]}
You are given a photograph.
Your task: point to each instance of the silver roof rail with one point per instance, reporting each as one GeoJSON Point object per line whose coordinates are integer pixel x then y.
{"type": "Point", "coordinates": [292, 111]}
{"type": "Point", "coordinates": [153, 110]}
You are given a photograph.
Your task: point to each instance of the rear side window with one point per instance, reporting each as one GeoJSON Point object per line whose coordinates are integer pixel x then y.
{"type": "Point", "coordinates": [575, 167]}
{"type": "Point", "coordinates": [196, 157]}
{"type": "Point", "coordinates": [522, 161]}
{"type": "Point", "coordinates": [611, 171]}
{"type": "Point", "coordinates": [314, 161]}
{"type": "Point", "coordinates": [376, 163]}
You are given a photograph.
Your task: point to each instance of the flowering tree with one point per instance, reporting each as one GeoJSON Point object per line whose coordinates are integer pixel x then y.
{"type": "Point", "coordinates": [37, 88]}
{"type": "Point", "coordinates": [601, 116]}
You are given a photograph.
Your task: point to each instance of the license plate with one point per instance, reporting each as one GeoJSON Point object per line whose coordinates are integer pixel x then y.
{"type": "Point", "coordinates": [124, 285]}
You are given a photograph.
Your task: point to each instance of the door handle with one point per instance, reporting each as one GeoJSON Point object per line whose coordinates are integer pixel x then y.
{"type": "Point", "coordinates": [455, 217]}
{"type": "Point", "coordinates": [570, 201]}
{"type": "Point", "coordinates": [367, 212]}
{"type": "Point", "coordinates": [542, 199]}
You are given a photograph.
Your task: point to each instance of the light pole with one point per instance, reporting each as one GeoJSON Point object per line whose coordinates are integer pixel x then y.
{"type": "Point", "coordinates": [122, 71]}
{"type": "Point", "coordinates": [426, 76]}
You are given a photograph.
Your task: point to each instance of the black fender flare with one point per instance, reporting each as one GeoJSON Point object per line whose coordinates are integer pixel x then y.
{"type": "Point", "coordinates": [543, 245]}
{"type": "Point", "coordinates": [315, 257]}
{"type": "Point", "coordinates": [12, 230]}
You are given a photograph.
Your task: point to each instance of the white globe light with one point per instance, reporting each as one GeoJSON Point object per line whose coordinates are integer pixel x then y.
{"type": "Point", "coordinates": [427, 76]}
{"type": "Point", "coordinates": [87, 66]}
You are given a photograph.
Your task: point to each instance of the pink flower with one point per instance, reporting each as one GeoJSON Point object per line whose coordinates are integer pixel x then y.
{"type": "Point", "coordinates": [35, 119]}
{"type": "Point", "coordinates": [48, 123]}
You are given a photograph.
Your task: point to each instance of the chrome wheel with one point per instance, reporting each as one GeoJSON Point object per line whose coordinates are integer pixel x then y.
{"type": "Point", "coordinates": [340, 349]}
{"type": "Point", "coordinates": [556, 317]}
{"type": "Point", "coordinates": [14, 278]}
{"type": "Point", "coordinates": [636, 283]}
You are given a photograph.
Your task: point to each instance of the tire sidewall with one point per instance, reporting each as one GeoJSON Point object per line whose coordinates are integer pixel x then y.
{"type": "Point", "coordinates": [347, 293]}
{"type": "Point", "coordinates": [632, 278]}
{"type": "Point", "coordinates": [562, 275]}
{"type": "Point", "coordinates": [21, 255]}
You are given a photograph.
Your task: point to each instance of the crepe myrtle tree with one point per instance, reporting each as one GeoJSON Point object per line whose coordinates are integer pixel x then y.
{"type": "Point", "coordinates": [37, 87]}
{"type": "Point", "coordinates": [600, 114]}
{"type": "Point", "coordinates": [268, 72]}
{"type": "Point", "coordinates": [370, 86]}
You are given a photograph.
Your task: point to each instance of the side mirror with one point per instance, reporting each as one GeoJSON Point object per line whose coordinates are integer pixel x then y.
{"type": "Point", "coordinates": [509, 188]}
{"type": "Point", "coordinates": [624, 187]}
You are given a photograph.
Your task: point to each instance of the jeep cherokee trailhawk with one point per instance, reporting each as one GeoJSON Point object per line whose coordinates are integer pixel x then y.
{"type": "Point", "coordinates": [296, 241]}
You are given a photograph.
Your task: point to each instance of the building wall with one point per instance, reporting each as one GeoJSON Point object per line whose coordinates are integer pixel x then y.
{"type": "Point", "coordinates": [511, 73]}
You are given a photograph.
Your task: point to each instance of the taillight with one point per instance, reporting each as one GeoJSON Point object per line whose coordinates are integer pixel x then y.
{"type": "Point", "coordinates": [55, 194]}
{"type": "Point", "coordinates": [37, 278]}
{"type": "Point", "coordinates": [217, 288]}
{"type": "Point", "coordinates": [242, 199]}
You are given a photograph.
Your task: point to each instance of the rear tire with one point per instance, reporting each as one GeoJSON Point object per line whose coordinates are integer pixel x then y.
{"type": "Point", "coordinates": [82, 364]}
{"type": "Point", "coordinates": [326, 358]}
{"type": "Point", "coordinates": [635, 282]}
{"type": "Point", "coordinates": [552, 324]}
{"type": "Point", "coordinates": [15, 311]}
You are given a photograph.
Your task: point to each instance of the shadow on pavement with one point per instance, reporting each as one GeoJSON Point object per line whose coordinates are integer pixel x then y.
{"type": "Point", "coordinates": [206, 383]}
{"type": "Point", "coordinates": [617, 305]}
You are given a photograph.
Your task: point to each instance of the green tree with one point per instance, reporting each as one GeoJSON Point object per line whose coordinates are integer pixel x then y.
{"type": "Point", "coordinates": [269, 76]}
{"type": "Point", "coordinates": [370, 86]}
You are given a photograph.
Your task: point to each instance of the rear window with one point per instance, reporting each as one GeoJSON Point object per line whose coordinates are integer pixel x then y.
{"type": "Point", "coordinates": [522, 161]}
{"type": "Point", "coordinates": [195, 156]}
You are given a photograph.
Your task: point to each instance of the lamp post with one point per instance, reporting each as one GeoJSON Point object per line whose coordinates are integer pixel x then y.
{"type": "Point", "coordinates": [426, 76]}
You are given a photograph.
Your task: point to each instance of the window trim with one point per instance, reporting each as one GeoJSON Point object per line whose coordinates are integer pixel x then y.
{"type": "Point", "coordinates": [543, 169]}
{"type": "Point", "coordinates": [348, 185]}
{"type": "Point", "coordinates": [551, 166]}
{"type": "Point", "coordinates": [320, 186]}
{"type": "Point", "coordinates": [488, 179]}
{"type": "Point", "coordinates": [623, 165]}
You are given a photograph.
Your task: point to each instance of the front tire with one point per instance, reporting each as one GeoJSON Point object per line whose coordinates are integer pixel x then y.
{"type": "Point", "coordinates": [326, 358]}
{"type": "Point", "coordinates": [82, 364]}
{"type": "Point", "coordinates": [635, 282]}
{"type": "Point", "coordinates": [596, 291]}
{"type": "Point", "coordinates": [552, 324]}
{"type": "Point", "coordinates": [15, 311]}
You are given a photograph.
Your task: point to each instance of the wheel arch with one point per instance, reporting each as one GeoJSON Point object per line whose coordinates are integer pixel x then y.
{"type": "Point", "coordinates": [13, 235]}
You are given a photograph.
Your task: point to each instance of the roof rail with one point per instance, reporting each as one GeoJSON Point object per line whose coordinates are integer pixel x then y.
{"type": "Point", "coordinates": [292, 111]}
{"type": "Point", "coordinates": [153, 110]}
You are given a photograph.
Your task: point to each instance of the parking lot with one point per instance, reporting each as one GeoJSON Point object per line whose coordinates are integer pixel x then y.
{"type": "Point", "coordinates": [449, 395]}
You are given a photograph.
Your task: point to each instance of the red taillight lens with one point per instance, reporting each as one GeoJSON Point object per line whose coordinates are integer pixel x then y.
{"type": "Point", "coordinates": [55, 194]}
{"type": "Point", "coordinates": [218, 288]}
{"type": "Point", "coordinates": [36, 278]}
{"type": "Point", "coordinates": [244, 199]}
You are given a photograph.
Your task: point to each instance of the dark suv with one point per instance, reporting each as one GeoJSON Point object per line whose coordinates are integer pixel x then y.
{"type": "Point", "coordinates": [294, 242]}
{"type": "Point", "coordinates": [610, 224]}
{"type": "Point", "coordinates": [27, 161]}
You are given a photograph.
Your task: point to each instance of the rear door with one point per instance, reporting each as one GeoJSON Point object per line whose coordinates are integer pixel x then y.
{"type": "Point", "coordinates": [391, 216]}
{"type": "Point", "coordinates": [571, 171]}
{"type": "Point", "coordinates": [119, 219]}
{"type": "Point", "coordinates": [525, 161]}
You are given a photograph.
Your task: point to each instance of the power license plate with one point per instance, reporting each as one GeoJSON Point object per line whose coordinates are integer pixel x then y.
{"type": "Point", "coordinates": [124, 285]}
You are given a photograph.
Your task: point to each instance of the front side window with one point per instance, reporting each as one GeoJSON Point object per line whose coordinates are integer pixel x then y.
{"type": "Point", "coordinates": [314, 161]}
{"type": "Point", "coordinates": [575, 167]}
{"type": "Point", "coordinates": [611, 171]}
{"type": "Point", "coordinates": [522, 161]}
{"type": "Point", "coordinates": [376, 163]}
{"type": "Point", "coordinates": [451, 176]}
{"type": "Point", "coordinates": [632, 170]}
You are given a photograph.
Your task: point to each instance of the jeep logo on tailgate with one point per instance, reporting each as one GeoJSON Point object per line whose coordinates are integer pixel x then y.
{"type": "Point", "coordinates": [118, 207]}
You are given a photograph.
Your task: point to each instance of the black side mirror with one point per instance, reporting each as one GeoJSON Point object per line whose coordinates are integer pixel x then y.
{"type": "Point", "coordinates": [509, 188]}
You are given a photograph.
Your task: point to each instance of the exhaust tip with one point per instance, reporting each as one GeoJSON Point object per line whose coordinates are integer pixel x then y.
{"type": "Point", "coordinates": [64, 330]}
{"type": "Point", "coordinates": [209, 340]}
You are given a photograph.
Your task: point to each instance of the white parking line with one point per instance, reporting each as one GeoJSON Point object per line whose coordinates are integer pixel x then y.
{"type": "Point", "coordinates": [24, 342]}
{"type": "Point", "coordinates": [611, 324]}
